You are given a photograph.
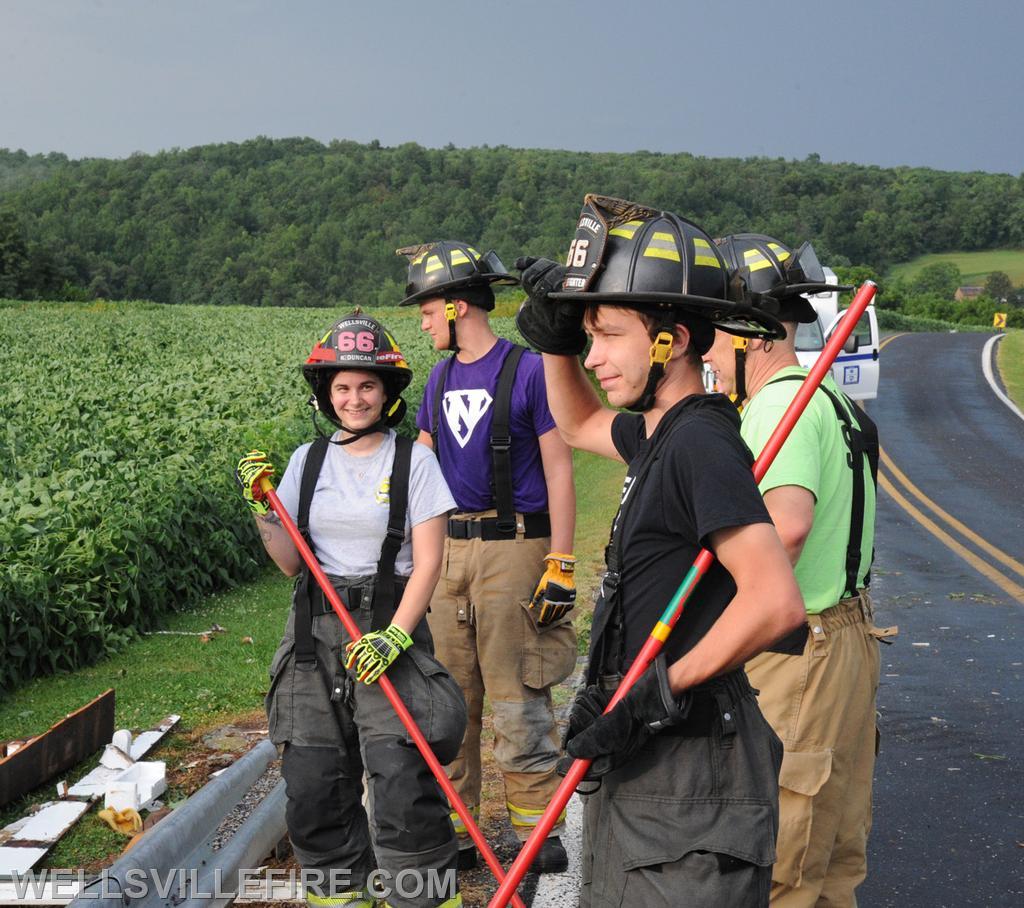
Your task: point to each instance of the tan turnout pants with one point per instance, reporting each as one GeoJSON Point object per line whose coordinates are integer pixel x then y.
{"type": "Point", "coordinates": [485, 635]}
{"type": "Point", "coordinates": [822, 705]}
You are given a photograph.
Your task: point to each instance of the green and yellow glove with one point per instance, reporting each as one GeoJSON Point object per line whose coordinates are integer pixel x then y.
{"type": "Point", "coordinates": [251, 468]}
{"type": "Point", "coordinates": [555, 595]}
{"type": "Point", "coordinates": [372, 653]}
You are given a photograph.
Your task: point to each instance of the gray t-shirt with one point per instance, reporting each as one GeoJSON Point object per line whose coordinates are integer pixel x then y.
{"type": "Point", "coordinates": [348, 517]}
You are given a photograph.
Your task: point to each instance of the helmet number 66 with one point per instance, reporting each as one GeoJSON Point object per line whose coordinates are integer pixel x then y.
{"type": "Point", "coordinates": [351, 340]}
{"type": "Point", "coordinates": [577, 257]}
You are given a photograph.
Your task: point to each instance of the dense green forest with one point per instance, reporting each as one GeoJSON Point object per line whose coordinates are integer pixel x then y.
{"type": "Point", "coordinates": [295, 222]}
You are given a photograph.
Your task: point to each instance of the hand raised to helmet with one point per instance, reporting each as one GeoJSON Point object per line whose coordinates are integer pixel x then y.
{"type": "Point", "coordinates": [548, 325]}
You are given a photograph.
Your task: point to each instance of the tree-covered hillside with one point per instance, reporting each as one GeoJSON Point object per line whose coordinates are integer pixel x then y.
{"type": "Point", "coordinates": [295, 222]}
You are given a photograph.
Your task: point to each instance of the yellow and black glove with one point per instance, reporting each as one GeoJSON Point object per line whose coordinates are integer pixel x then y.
{"type": "Point", "coordinates": [250, 470]}
{"type": "Point", "coordinates": [374, 652]}
{"type": "Point", "coordinates": [555, 595]}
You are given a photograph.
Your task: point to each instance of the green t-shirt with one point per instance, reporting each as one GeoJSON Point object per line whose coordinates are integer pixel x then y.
{"type": "Point", "coordinates": [815, 458]}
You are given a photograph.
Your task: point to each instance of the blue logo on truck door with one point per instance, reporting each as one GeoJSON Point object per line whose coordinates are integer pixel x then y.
{"type": "Point", "coordinates": [851, 375]}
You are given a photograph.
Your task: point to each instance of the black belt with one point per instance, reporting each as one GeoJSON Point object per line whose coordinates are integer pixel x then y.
{"type": "Point", "coordinates": [352, 596]}
{"type": "Point", "coordinates": [712, 704]}
{"type": "Point", "coordinates": [534, 527]}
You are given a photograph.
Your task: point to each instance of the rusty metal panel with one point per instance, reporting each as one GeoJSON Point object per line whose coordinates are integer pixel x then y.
{"type": "Point", "coordinates": [66, 744]}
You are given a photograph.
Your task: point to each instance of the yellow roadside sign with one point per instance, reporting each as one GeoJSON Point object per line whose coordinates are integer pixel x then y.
{"type": "Point", "coordinates": [999, 320]}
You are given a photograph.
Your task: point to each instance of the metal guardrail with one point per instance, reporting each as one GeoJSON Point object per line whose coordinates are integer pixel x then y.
{"type": "Point", "coordinates": [174, 865]}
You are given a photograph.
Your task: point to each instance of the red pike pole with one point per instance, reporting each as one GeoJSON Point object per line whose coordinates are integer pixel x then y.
{"type": "Point", "coordinates": [698, 569]}
{"type": "Point", "coordinates": [388, 688]}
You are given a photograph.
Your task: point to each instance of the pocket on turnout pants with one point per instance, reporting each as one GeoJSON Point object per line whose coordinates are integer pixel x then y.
{"type": "Point", "coordinates": [435, 701]}
{"type": "Point", "coordinates": [549, 653]}
{"type": "Point", "coordinates": [660, 843]}
{"type": "Point", "coordinates": [803, 774]}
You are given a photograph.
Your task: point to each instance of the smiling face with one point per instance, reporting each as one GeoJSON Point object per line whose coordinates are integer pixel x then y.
{"type": "Point", "coordinates": [722, 360]}
{"type": "Point", "coordinates": [619, 353]}
{"type": "Point", "coordinates": [357, 397]}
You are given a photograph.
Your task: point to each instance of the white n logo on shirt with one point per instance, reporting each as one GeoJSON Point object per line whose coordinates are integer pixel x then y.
{"type": "Point", "coordinates": [463, 410]}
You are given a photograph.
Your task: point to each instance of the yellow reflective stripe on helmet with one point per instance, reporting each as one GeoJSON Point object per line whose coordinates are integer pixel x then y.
{"type": "Point", "coordinates": [780, 253]}
{"type": "Point", "coordinates": [433, 264]}
{"type": "Point", "coordinates": [702, 254]}
{"type": "Point", "coordinates": [755, 260]}
{"type": "Point", "coordinates": [625, 230]}
{"type": "Point", "coordinates": [459, 257]}
{"type": "Point", "coordinates": [358, 899]}
{"type": "Point", "coordinates": [526, 816]}
{"type": "Point", "coordinates": [418, 258]}
{"type": "Point", "coordinates": [473, 252]}
{"type": "Point", "coordinates": [662, 246]}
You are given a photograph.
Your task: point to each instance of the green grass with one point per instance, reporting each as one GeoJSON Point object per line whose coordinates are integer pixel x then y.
{"type": "Point", "coordinates": [160, 673]}
{"type": "Point", "coordinates": [598, 486]}
{"type": "Point", "coordinates": [974, 266]}
{"type": "Point", "coordinates": [1010, 360]}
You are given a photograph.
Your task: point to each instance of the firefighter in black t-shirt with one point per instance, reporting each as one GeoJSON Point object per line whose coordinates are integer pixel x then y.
{"type": "Point", "coordinates": [687, 808]}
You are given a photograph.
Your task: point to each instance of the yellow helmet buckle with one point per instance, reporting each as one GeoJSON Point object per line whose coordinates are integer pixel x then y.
{"type": "Point", "coordinates": [661, 349]}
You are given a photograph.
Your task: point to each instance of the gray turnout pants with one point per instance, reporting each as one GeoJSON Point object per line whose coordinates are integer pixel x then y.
{"type": "Point", "coordinates": [332, 728]}
{"type": "Point", "coordinates": [691, 821]}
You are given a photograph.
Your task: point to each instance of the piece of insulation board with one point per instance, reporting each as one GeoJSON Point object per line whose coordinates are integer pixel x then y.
{"type": "Point", "coordinates": [94, 784]}
{"type": "Point", "coordinates": [49, 823]}
{"type": "Point", "coordinates": [64, 745]}
{"type": "Point", "coordinates": [19, 861]}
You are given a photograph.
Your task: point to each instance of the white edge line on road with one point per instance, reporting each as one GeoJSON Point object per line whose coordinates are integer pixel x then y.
{"type": "Point", "coordinates": [986, 367]}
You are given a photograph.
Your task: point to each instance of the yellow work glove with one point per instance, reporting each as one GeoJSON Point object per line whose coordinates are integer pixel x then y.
{"type": "Point", "coordinates": [555, 595]}
{"type": "Point", "coordinates": [251, 468]}
{"type": "Point", "coordinates": [126, 822]}
{"type": "Point", "coordinates": [374, 652]}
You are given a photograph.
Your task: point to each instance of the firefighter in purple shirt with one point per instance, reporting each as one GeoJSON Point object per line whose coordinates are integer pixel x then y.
{"type": "Point", "coordinates": [500, 613]}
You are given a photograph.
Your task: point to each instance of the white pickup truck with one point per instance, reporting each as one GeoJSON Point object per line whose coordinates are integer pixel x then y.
{"type": "Point", "coordinates": [855, 370]}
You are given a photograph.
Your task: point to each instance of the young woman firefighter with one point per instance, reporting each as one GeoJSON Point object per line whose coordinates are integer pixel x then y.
{"type": "Point", "coordinates": [687, 809]}
{"type": "Point", "coordinates": [373, 507]}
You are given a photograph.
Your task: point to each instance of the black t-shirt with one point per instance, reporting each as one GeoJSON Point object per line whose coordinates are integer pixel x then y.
{"type": "Point", "coordinates": [700, 481]}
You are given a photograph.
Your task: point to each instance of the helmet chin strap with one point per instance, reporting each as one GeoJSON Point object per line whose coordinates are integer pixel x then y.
{"type": "Point", "coordinates": [353, 434]}
{"type": "Point", "coordinates": [450, 314]}
{"type": "Point", "coordinates": [739, 346]}
{"type": "Point", "coordinates": [661, 353]}
{"type": "Point", "coordinates": [381, 425]}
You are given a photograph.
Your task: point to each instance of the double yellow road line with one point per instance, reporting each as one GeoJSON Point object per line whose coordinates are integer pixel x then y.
{"type": "Point", "coordinates": [983, 558]}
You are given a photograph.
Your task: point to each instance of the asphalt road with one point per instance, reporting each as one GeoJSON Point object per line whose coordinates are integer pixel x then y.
{"type": "Point", "coordinates": [949, 786]}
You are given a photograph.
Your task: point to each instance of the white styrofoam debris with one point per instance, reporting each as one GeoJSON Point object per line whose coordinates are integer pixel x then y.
{"type": "Point", "coordinates": [19, 860]}
{"type": "Point", "coordinates": [95, 783]}
{"type": "Point", "coordinates": [138, 786]}
{"type": "Point", "coordinates": [122, 740]}
{"type": "Point", "coordinates": [51, 821]}
{"type": "Point", "coordinates": [115, 758]}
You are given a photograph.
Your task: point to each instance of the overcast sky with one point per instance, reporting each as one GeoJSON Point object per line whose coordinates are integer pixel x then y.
{"type": "Point", "coordinates": [929, 83]}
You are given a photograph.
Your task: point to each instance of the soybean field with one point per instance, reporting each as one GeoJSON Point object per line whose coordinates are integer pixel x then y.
{"type": "Point", "coordinates": [121, 426]}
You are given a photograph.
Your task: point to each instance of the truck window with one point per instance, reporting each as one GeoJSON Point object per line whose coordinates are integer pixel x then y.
{"type": "Point", "coordinates": [809, 337]}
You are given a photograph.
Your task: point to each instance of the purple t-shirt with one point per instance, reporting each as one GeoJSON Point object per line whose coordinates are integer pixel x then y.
{"type": "Point", "coordinates": [467, 411]}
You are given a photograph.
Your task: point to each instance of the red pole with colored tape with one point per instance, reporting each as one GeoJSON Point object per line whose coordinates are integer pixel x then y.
{"type": "Point", "coordinates": [698, 569]}
{"type": "Point", "coordinates": [388, 688]}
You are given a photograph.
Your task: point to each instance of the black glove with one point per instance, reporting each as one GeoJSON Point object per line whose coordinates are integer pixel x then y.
{"type": "Point", "coordinates": [548, 326]}
{"type": "Point", "coordinates": [611, 741]}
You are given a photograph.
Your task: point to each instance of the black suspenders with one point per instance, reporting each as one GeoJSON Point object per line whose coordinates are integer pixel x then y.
{"type": "Point", "coordinates": [384, 588]}
{"type": "Point", "coordinates": [501, 435]}
{"type": "Point", "coordinates": [608, 633]}
{"type": "Point", "coordinates": [861, 437]}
